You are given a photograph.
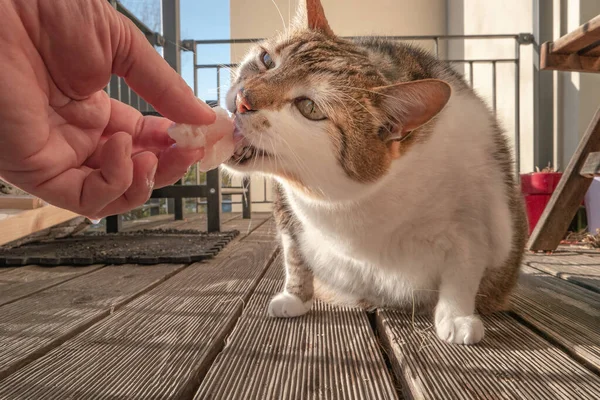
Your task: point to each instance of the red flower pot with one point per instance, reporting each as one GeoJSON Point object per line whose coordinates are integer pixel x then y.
{"type": "Point", "coordinates": [537, 188]}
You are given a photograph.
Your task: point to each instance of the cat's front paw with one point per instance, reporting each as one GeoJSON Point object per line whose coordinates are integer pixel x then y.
{"type": "Point", "coordinates": [287, 305]}
{"type": "Point", "coordinates": [460, 330]}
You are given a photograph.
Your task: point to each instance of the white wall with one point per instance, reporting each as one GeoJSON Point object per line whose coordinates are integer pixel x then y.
{"type": "Point", "coordinates": [576, 94]}
{"type": "Point", "coordinates": [484, 17]}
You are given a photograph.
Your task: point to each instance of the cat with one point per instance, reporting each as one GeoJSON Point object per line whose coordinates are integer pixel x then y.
{"type": "Point", "coordinates": [394, 182]}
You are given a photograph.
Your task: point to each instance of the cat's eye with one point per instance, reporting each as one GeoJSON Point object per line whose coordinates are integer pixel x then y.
{"type": "Point", "coordinates": [267, 60]}
{"type": "Point", "coordinates": [310, 110]}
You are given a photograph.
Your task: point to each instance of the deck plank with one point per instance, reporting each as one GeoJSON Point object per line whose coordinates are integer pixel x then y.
{"type": "Point", "coordinates": [157, 346]}
{"type": "Point", "coordinates": [329, 353]}
{"type": "Point", "coordinates": [265, 232]}
{"type": "Point", "coordinates": [568, 315]}
{"type": "Point", "coordinates": [247, 226]}
{"type": "Point", "coordinates": [24, 281]}
{"type": "Point", "coordinates": [6, 269]}
{"type": "Point", "coordinates": [34, 325]}
{"type": "Point", "coordinates": [583, 270]}
{"type": "Point", "coordinates": [511, 362]}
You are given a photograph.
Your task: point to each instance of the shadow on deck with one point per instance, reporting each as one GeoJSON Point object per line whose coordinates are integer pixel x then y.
{"type": "Point", "coordinates": [201, 331]}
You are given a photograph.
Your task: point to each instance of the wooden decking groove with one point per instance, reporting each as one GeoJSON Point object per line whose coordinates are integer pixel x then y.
{"type": "Point", "coordinates": [6, 269]}
{"type": "Point", "coordinates": [33, 326]}
{"type": "Point", "coordinates": [201, 331]}
{"type": "Point", "coordinates": [23, 282]}
{"type": "Point", "coordinates": [579, 269]}
{"type": "Point", "coordinates": [563, 313]}
{"type": "Point", "coordinates": [510, 363]}
{"type": "Point", "coordinates": [328, 353]}
{"type": "Point", "coordinates": [158, 345]}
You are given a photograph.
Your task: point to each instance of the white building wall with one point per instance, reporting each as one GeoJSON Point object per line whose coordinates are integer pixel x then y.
{"type": "Point", "coordinates": [576, 95]}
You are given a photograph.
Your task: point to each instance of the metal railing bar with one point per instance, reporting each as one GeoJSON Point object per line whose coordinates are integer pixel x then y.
{"type": "Point", "coordinates": [471, 82]}
{"type": "Point", "coordinates": [494, 87]}
{"type": "Point", "coordinates": [422, 37]}
{"type": "Point", "coordinates": [154, 37]}
{"type": "Point", "coordinates": [477, 61]}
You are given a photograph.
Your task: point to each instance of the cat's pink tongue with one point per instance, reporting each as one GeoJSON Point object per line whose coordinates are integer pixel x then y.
{"type": "Point", "coordinates": [238, 138]}
{"type": "Point", "coordinates": [217, 139]}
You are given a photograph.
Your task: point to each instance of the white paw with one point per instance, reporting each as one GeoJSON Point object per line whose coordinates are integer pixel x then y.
{"type": "Point", "coordinates": [459, 330]}
{"type": "Point", "coordinates": [287, 305]}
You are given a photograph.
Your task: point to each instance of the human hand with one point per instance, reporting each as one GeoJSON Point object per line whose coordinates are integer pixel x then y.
{"type": "Point", "coordinates": [61, 137]}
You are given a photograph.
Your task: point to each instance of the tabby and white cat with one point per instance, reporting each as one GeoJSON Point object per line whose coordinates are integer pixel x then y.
{"type": "Point", "coordinates": [394, 182]}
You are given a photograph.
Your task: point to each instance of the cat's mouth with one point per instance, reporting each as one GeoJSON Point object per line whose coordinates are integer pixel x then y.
{"type": "Point", "coordinates": [244, 150]}
{"type": "Point", "coordinates": [247, 153]}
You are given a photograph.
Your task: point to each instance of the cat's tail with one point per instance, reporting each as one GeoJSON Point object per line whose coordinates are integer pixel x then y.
{"type": "Point", "coordinates": [498, 282]}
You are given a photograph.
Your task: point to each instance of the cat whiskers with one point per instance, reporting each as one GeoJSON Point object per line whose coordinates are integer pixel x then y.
{"type": "Point", "coordinates": [280, 14]}
{"type": "Point", "coordinates": [299, 163]}
{"type": "Point", "coordinates": [274, 153]}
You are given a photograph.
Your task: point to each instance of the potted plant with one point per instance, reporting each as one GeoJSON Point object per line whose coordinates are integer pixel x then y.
{"type": "Point", "coordinates": [537, 188]}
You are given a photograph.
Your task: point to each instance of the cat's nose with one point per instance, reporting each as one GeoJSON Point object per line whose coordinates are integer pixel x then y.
{"type": "Point", "coordinates": [242, 103]}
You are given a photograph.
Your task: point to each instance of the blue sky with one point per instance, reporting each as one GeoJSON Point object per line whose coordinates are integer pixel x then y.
{"type": "Point", "coordinates": [200, 19]}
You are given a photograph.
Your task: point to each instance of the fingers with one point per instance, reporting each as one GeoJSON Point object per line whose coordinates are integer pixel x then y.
{"type": "Point", "coordinates": [119, 183]}
{"type": "Point", "coordinates": [147, 132]}
{"type": "Point", "coordinates": [149, 75]}
{"type": "Point", "coordinates": [144, 169]}
{"type": "Point", "coordinates": [114, 176]}
{"type": "Point", "coordinates": [173, 163]}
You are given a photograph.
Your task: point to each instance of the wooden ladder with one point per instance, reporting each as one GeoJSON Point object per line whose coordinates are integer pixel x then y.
{"type": "Point", "coordinates": [577, 51]}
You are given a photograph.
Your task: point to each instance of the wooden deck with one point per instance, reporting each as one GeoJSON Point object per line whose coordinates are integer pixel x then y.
{"type": "Point", "coordinates": [200, 331]}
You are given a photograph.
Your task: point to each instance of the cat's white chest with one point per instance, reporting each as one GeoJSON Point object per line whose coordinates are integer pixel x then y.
{"type": "Point", "coordinates": [361, 257]}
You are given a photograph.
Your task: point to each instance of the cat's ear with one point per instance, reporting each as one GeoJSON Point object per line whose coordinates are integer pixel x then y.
{"type": "Point", "coordinates": [310, 15]}
{"type": "Point", "coordinates": [409, 105]}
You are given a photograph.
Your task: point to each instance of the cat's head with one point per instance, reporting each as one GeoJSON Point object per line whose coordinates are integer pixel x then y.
{"type": "Point", "coordinates": [315, 110]}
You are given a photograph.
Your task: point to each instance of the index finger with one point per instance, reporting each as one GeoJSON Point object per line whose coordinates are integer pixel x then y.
{"type": "Point", "coordinates": [150, 76]}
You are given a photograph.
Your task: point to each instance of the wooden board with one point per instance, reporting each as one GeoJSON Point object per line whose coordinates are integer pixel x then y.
{"type": "Point", "coordinates": [562, 258]}
{"type": "Point", "coordinates": [20, 202]}
{"type": "Point", "coordinates": [200, 223]}
{"type": "Point", "coordinates": [159, 345]}
{"type": "Point", "coordinates": [34, 325]}
{"type": "Point", "coordinates": [24, 281]}
{"type": "Point", "coordinates": [562, 312]}
{"type": "Point", "coordinates": [152, 222]}
{"type": "Point", "coordinates": [566, 199]}
{"type": "Point", "coordinates": [580, 38]}
{"type": "Point", "coordinates": [578, 50]}
{"type": "Point", "coordinates": [510, 363]}
{"type": "Point", "coordinates": [266, 231]}
{"type": "Point", "coordinates": [591, 167]}
{"type": "Point", "coordinates": [550, 61]}
{"type": "Point", "coordinates": [5, 269]}
{"type": "Point", "coordinates": [27, 222]}
{"type": "Point", "coordinates": [329, 353]}
{"type": "Point", "coordinates": [580, 269]}
{"type": "Point", "coordinates": [247, 226]}
{"type": "Point", "coordinates": [587, 276]}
